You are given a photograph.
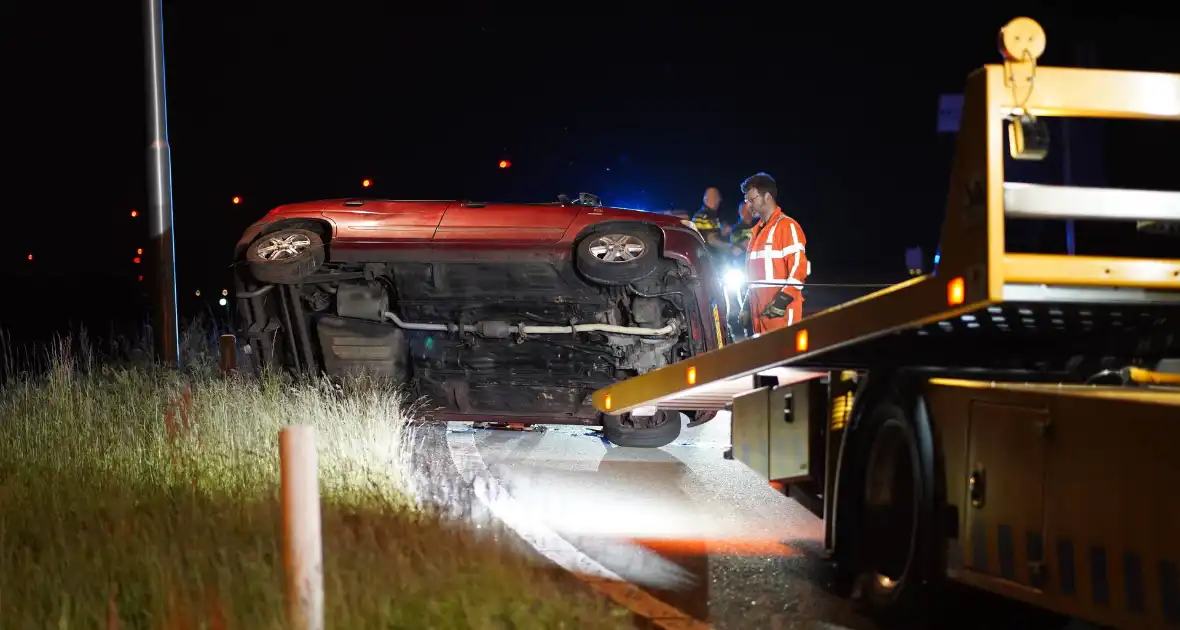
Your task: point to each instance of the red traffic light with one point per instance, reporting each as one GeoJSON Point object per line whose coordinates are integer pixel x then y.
{"type": "Point", "coordinates": [237, 200]}
{"type": "Point", "coordinates": [366, 183]}
{"type": "Point", "coordinates": [141, 278]}
{"type": "Point", "coordinates": [505, 163]}
{"type": "Point", "coordinates": [30, 256]}
{"type": "Point", "coordinates": [135, 260]}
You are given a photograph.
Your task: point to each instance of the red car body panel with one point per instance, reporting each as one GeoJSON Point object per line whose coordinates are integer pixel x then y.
{"type": "Point", "coordinates": [362, 230]}
{"type": "Point", "coordinates": [505, 223]}
{"type": "Point", "coordinates": [395, 221]}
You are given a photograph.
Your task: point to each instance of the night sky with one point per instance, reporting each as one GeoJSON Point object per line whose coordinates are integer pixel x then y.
{"type": "Point", "coordinates": [280, 104]}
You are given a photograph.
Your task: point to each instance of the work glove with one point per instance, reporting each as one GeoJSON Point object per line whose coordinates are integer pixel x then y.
{"type": "Point", "coordinates": [778, 307]}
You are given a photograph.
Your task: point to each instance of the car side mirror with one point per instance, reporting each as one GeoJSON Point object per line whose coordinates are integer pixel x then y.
{"type": "Point", "coordinates": [586, 199]}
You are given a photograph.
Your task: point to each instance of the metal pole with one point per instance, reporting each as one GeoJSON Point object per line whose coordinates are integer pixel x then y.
{"type": "Point", "coordinates": [165, 326]}
{"type": "Point", "coordinates": [303, 551]}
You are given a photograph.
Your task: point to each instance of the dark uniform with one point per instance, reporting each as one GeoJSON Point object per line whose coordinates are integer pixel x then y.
{"type": "Point", "coordinates": [740, 237]}
{"type": "Point", "coordinates": [739, 240]}
{"type": "Point", "coordinates": [711, 227]}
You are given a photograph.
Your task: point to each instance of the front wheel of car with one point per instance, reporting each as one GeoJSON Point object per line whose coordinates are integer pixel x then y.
{"type": "Point", "coordinates": [617, 256]}
{"type": "Point", "coordinates": [653, 431]}
{"type": "Point", "coordinates": [285, 256]}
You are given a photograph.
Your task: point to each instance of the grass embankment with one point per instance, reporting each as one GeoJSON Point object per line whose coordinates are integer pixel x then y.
{"type": "Point", "coordinates": [115, 501]}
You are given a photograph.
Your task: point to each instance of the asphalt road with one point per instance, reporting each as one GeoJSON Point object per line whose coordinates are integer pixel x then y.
{"type": "Point", "coordinates": [699, 532]}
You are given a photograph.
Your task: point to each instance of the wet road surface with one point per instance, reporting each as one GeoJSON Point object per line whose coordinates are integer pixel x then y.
{"type": "Point", "coordinates": [699, 532]}
{"type": "Point", "coordinates": [695, 530]}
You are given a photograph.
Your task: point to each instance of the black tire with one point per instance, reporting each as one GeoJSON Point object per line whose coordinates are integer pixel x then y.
{"type": "Point", "coordinates": [286, 267]}
{"type": "Point", "coordinates": [644, 431]}
{"type": "Point", "coordinates": [597, 260]}
{"type": "Point", "coordinates": [888, 509]}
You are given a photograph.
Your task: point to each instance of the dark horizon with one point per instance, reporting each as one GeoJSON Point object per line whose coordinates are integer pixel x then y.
{"type": "Point", "coordinates": [281, 105]}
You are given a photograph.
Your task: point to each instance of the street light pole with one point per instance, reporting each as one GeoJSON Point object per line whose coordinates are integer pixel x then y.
{"type": "Point", "coordinates": [165, 327]}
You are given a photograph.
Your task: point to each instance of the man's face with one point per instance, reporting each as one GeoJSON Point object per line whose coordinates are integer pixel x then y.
{"type": "Point", "coordinates": [759, 202]}
{"type": "Point", "coordinates": [713, 198]}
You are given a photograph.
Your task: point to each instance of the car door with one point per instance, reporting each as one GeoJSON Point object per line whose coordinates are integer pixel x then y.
{"type": "Point", "coordinates": [505, 222]}
{"type": "Point", "coordinates": [378, 220]}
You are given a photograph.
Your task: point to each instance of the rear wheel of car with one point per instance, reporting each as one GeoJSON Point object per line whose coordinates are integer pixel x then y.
{"type": "Point", "coordinates": [617, 256]}
{"type": "Point", "coordinates": [654, 431]}
{"type": "Point", "coordinates": [285, 256]}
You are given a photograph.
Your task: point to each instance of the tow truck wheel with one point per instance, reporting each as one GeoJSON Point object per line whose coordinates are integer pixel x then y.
{"type": "Point", "coordinates": [888, 537]}
{"type": "Point", "coordinates": [654, 431]}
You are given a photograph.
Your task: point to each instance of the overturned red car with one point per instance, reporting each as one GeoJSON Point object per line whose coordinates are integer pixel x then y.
{"type": "Point", "coordinates": [494, 312]}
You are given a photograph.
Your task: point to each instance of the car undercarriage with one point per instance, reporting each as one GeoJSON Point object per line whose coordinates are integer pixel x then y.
{"type": "Point", "coordinates": [495, 331]}
{"type": "Point", "coordinates": [508, 339]}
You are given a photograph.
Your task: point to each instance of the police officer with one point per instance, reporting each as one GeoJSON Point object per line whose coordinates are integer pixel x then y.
{"type": "Point", "coordinates": [708, 222]}
{"type": "Point", "coordinates": [739, 235]}
{"type": "Point", "coordinates": [739, 240]}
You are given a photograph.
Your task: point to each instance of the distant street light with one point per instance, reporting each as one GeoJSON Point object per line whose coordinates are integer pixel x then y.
{"type": "Point", "coordinates": [134, 213]}
{"type": "Point", "coordinates": [198, 293]}
{"type": "Point", "coordinates": [237, 200]}
{"type": "Point", "coordinates": [505, 163]}
{"type": "Point", "coordinates": [225, 291]}
{"type": "Point", "coordinates": [366, 183]}
{"type": "Point", "coordinates": [223, 301]}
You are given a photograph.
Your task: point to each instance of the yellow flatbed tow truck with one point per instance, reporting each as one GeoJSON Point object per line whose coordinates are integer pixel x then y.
{"type": "Point", "coordinates": [1010, 421]}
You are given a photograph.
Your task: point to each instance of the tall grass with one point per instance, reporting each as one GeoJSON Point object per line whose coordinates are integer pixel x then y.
{"type": "Point", "coordinates": [135, 497]}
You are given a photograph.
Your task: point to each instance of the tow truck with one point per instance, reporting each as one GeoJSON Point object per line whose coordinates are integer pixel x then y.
{"type": "Point", "coordinates": [1009, 421]}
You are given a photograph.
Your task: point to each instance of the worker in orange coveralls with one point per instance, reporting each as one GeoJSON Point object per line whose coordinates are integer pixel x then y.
{"type": "Point", "coordinates": [777, 253]}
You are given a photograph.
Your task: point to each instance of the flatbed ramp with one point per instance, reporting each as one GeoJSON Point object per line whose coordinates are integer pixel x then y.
{"type": "Point", "coordinates": [1009, 421]}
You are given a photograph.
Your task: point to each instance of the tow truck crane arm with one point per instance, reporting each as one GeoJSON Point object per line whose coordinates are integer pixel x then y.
{"type": "Point", "coordinates": [951, 407]}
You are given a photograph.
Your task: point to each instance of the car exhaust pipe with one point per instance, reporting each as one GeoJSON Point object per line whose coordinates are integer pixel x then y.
{"type": "Point", "coordinates": [503, 329]}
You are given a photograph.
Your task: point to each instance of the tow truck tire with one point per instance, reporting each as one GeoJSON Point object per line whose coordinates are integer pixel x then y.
{"type": "Point", "coordinates": [655, 431]}
{"type": "Point", "coordinates": [888, 534]}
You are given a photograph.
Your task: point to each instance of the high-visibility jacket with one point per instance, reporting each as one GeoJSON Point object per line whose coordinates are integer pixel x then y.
{"type": "Point", "coordinates": [740, 239]}
{"type": "Point", "coordinates": [706, 220]}
{"type": "Point", "coordinates": [777, 252]}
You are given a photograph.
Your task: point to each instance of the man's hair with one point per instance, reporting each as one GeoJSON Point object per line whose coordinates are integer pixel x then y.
{"type": "Point", "coordinates": [763, 182]}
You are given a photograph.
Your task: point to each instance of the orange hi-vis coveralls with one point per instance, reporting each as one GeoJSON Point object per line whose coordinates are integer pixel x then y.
{"type": "Point", "coordinates": [777, 252]}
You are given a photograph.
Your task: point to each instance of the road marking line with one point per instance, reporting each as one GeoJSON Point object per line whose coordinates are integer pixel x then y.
{"type": "Point", "coordinates": [550, 544]}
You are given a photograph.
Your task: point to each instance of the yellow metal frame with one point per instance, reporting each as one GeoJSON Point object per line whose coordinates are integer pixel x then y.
{"type": "Point", "coordinates": [974, 265]}
{"type": "Point", "coordinates": [1069, 512]}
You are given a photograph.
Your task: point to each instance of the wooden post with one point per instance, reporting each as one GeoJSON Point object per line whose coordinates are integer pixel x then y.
{"type": "Point", "coordinates": [302, 543]}
{"type": "Point", "coordinates": [229, 353]}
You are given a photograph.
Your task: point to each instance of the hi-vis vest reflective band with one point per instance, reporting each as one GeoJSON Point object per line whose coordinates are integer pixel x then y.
{"type": "Point", "coordinates": [704, 222]}
{"type": "Point", "coordinates": [768, 253]}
